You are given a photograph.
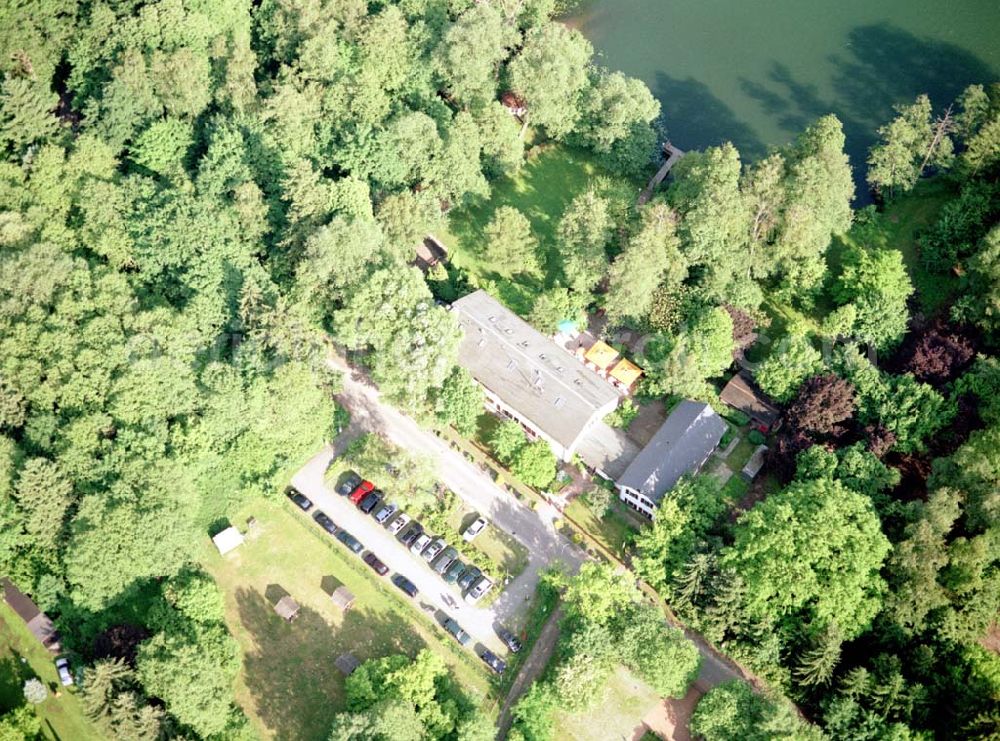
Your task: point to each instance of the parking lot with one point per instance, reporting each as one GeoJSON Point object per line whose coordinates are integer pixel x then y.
{"type": "Point", "coordinates": [435, 595]}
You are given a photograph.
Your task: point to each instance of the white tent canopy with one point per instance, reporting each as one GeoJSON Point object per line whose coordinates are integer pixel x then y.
{"type": "Point", "coordinates": [227, 540]}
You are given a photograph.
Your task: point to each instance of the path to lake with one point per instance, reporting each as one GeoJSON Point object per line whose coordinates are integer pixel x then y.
{"type": "Point", "coordinates": [757, 72]}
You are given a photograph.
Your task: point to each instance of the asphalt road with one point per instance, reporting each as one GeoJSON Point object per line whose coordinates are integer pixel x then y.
{"type": "Point", "coordinates": [534, 529]}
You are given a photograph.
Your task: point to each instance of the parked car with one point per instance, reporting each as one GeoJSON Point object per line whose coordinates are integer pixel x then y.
{"type": "Point", "coordinates": [509, 640]}
{"type": "Point", "coordinates": [446, 559]}
{"type": "Point", "coordinates": [405, 584]}
{"type": "Point", "coordinates": [456, 630]}
{"type": "Point", "coordinates": [481, 587]}
{"type": "Point", "coordinates": [377, 566]}
{"type": "Point", "coordinates": [350, 483]}
{"type": "Point", "coordinates": [474, 529]}
{"type": "Point", "coordinates": [299, 498]}
{"type": "Point", "coordinates": [469, 578]}
{"type": "Point", "coordinates": [385, 513]}
{"type": "Point", "coordinates": [370, 502]}
{"type": "Point", "coordinates": [399, 523]}
{"type": "Point", "coordinates": [493, 661]}
{"type": "Point", "coordinates": [325, 522]}
{"type": "Point", "coordinates": [432, 551]}
{"type": "Point", "coordinates": [420, 543]}
{"type": "Point", "coordinates": [411, 534]}
{"type": "Point", "coordinates": [454, 571]}
{"type": "Point", "coordinates": [350, 541]}
{"type": "Point", "coordinates": [65, 675]}
{"type": "Point", "coordinates": [361, 491]}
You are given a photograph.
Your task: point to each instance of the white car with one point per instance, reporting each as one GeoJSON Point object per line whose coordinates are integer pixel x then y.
{"type": "Point", "coordinates": [474, 529]}
{"type": "Point", "coordinates": [420, 543]}
{"type": "Point", "coordinates": [478, 589]}
{"type": "Point", "coordinates": [62, 666]}
{"type": "Point", "coordinates": [399, 523]}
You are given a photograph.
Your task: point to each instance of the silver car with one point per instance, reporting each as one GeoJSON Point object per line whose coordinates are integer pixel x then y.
{"type": "Point", "coordinates": [433, 550]}
{"type": "Point", "coordinates": [481, 587]}
{"type": "Point", "coordinates": [420, 543]}
{"type": "Point", "coordinates": [65, 676]}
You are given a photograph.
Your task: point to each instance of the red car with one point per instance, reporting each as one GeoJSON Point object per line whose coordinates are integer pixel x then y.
{"type": "Point", "coordinates": [361, 491]}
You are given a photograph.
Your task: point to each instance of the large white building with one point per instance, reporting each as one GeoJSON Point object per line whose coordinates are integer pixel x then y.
{"type": "Point", "coordinates": [528, 377]}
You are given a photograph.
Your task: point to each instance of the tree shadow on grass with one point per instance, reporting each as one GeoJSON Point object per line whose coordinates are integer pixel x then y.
{"type": "Point", "coordinates": [293, 683]}
{"type": "Point", "coordinates": [12, 676]}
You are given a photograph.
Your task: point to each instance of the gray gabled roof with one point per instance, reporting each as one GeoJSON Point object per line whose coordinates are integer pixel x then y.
{"type": "Point", "coordinates": [529, 372]}
{"type": "Point", "coordinates": [683, 442]}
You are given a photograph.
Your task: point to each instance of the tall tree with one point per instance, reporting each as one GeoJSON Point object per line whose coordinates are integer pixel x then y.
{"type": "Point", "coordinates": [510, 242]}
{"type": "Point", "coordinates": [550, 73]}
{"type": "Point", "coordinates": [816, 549]}
{"type": "Point", "coordinates": [651, 259]}
{"type": "Point", "coordinates": [584, 232]}
{"type": "Point", "coordinates": [908, 144]}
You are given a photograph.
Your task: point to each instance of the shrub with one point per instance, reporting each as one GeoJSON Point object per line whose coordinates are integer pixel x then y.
{"type": "Point", "coordinates": [737, 417]}
{"type": "Point", "coordinates": [756, 437]}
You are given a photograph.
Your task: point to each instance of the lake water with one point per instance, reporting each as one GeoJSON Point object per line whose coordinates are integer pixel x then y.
{"type": "Point", "coordinates": [756, 72]}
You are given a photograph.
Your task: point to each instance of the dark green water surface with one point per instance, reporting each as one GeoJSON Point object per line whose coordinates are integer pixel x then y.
{"type": "Point", "coordinates": [756, 72]}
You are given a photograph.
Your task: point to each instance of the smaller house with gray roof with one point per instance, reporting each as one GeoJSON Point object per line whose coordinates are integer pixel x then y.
{"type": "Point", "coordinates": [681, 446]}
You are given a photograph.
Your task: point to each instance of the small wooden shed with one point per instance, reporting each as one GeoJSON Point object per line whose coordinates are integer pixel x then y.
{"type": "Point", "coordinates": [287, 608]}
{"type": "Point", "coordinates": [343, 598]}
{"type": "Point", "coordinates": [347, 663]}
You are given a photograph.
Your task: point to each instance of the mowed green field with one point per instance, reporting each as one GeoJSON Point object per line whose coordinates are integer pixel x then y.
{"type": "Point", "coordinates": [617, 715]}
{"type": "Point", "coordinates": [23, 657]}
{"type": "Point", "coordinates": [289, 685]}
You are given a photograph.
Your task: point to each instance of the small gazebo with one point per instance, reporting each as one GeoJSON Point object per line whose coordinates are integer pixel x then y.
{"type": "Point", "coordinates": [287, 608]}
{"type": "Point", "coordinates": [347, 663]}
{"type": "Point", "coordinates": [343, 598]}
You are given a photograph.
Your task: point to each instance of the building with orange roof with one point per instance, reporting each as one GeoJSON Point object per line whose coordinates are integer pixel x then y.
{"type": "Point", "coordinates": [601, 355]}
{"type": "Point", "coordinates": [625, 374]}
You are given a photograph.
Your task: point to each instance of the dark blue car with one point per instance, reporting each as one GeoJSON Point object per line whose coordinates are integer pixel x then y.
{"type": "Point", "coordinates": [350, 541]}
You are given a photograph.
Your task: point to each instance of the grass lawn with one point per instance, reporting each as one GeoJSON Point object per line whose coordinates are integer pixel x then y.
{"type": "Point", "coordinates": [289, 685]}
{"type": "Point", "coordinates": [541, 190]}
{"type": "Point", "coordinates": [626, 701]}
{"type": "Point", "coordinates": [614, 531]}
{"type": "Point", "coordinates": [740, 455]}
{"type": "Point", "coordinates": [62, 717]}
{"type": "Point", "coordinates": [735, 489]}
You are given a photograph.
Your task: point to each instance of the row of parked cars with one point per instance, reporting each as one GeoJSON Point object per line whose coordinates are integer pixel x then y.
{"type": "Point", "coordinates": [436, 552]}
{"type": "Point", "coordinates": [441, 557]}
{"type": "Point", "coordinates": [352, 543]}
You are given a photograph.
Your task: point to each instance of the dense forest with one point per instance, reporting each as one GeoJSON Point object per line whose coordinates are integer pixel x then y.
{"type": "Point", "coordinates": [196, 196]}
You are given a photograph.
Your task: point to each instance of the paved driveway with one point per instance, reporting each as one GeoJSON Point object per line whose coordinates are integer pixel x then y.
{"type": "Point", "coordinates": [533, 528]}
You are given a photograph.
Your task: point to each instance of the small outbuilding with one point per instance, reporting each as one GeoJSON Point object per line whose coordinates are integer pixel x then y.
{"type": "Point", "coordinates": [343, 598]}
{"type": "Point", "coordinates": [430, 252]}
{"type": "Point", "coordinates": [347, 663]}
{"type": "Point", "coordinates": [287, 608]}
{"type": "Point", "coordinates": [227, 540]}
{"type": "Point", "coordinates": [625, 374]}
{"type": "Point", "coordinates": [37, 621]}
{"type": "Point", "coordinates": [741, 394]}
{"type": "Point", "coordinates": [756, 462]}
